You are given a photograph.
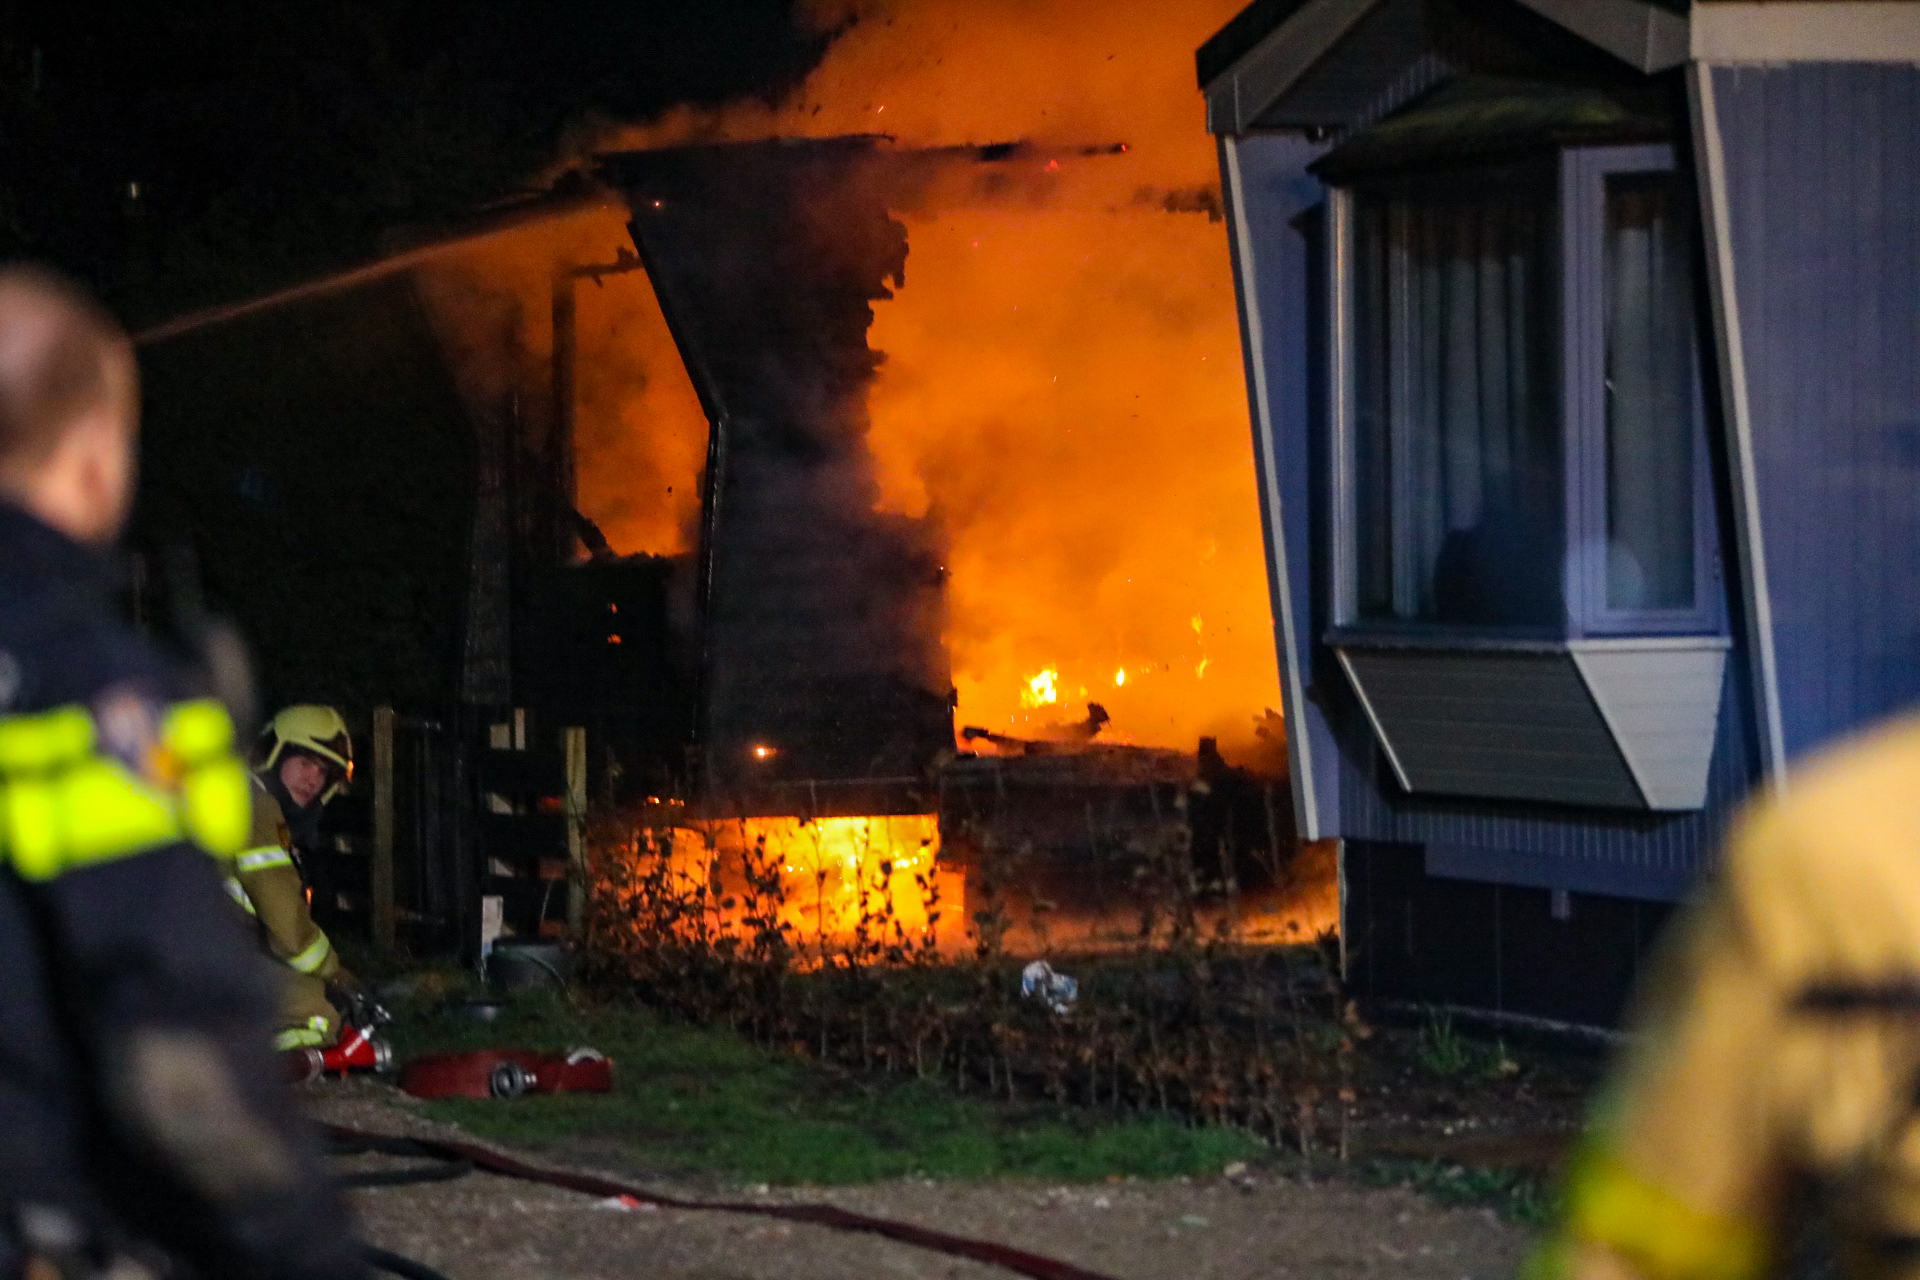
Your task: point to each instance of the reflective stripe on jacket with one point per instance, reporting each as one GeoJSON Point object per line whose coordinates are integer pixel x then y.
{"type": "Point", "coordinates": [265, 881]}
{"type": "Point", "coordinates": [137, 1096]}
{"type": "Point", "coordinates": [66, 804]}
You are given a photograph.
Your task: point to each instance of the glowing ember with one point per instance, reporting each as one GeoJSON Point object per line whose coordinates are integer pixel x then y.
{"type": "Point", "coordinates": [764, 752]}
{"type": "Point", "coordinates": [1042, 690]}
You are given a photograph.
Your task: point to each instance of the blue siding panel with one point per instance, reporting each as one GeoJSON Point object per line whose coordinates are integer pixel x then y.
{"type": "Point", "coordinates": [1355, 791]}
{"type": "Point", "coordinates": [1823, 186]}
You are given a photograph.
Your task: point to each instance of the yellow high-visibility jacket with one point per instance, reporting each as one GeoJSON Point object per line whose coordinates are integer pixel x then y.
{"type": "Point", "coordinates": [266, 883]}
{"type": "Point", "coordinates": [1777, 1046]}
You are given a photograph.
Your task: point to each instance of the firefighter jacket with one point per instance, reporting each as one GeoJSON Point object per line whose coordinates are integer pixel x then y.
{"type": "Point", "coordinates": [137, 1096]}
{"type": "Point", "coordinates": [267, 884]}
{"type": "Point", "coordinates": [1777, 1052]}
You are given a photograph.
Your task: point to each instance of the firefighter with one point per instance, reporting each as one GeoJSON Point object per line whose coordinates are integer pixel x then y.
{"type": "Point", "coordinates": [303, 759]}
{"type": "Point", "coordinates": [1778, 1049]}
{"type": "Point", "coordinates": [140, 1113]}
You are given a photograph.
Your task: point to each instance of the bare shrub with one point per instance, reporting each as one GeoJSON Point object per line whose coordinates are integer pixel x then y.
{"type": "Point", "coordinates": [1187, 1021]}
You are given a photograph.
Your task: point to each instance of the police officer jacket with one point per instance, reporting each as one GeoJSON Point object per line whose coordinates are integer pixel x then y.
{"type": "Point", "coordinates": [137, 1096]}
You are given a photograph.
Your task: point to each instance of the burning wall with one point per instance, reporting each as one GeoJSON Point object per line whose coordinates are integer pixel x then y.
{"type": "Point", "coordinates": [1061, 389]}
{"type": "Point", "coordinates": [1061, 392]}
{"type": "Point", "coordinates": [871, 885]}
{"type": "Point", "coordinates": [1038, 394]}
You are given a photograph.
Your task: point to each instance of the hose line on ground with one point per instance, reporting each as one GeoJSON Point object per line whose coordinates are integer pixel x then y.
{"type": "Point", "coordinates": [440, 1171]}
{"type": "Point", "coordinates": [439, 1167]}
{"type": "Point", "coordinates": [1019, 1261]}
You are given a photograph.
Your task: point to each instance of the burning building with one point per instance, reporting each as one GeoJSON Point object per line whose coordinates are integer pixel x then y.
{"type": "Point", "coordinates": [780, 447]}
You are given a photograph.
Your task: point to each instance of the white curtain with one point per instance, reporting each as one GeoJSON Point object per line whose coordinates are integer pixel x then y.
{"type": "Point", "coordinates": [1650, 387]}
{"type": "Point", "coordinates": [1459, 478]}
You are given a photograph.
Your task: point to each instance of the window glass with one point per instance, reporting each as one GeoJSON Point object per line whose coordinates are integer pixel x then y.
{"type": "Point", "coordinates": [1649, 396]}
{"type": "Point", "coordinates": [1458, 479]}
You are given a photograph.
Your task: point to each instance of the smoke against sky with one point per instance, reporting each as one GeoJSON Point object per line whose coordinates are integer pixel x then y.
{"type": "Point", "coordinates": [639, 429]}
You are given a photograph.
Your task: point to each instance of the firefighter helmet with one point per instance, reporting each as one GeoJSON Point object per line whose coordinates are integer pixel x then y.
{"type": "Point", "coordinates": [316, 730]}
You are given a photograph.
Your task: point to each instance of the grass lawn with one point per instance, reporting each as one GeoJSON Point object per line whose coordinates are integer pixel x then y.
{"type": "Point", "coordinates": [693, 1100]}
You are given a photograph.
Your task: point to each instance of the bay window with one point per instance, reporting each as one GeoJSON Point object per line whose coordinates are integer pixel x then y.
{"type": "Point", "coordinates": [1525, 590]}
{"type": "Point", "coordinates": [1522, 439]}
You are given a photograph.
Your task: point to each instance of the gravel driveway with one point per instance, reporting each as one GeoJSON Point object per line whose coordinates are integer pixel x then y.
{"type": "Point", "coordinates": [483, 1227]}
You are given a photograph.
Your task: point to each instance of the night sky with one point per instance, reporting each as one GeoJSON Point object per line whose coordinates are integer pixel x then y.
{"type": "Point", "coordinates": [269, 141]}
{"type": "Point", "coordinates": [315, 463]}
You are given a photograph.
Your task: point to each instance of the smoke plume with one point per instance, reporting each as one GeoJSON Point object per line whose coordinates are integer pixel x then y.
{"type": "Point", "coordinates": [1061, 386]}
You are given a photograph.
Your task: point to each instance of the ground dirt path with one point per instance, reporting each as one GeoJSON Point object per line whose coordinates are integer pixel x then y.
{"type": "Point", "coordinates": [483, 1227]}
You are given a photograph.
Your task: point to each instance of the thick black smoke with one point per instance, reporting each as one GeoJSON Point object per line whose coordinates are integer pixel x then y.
{"type": "Point", "coordinates": [822, 619]}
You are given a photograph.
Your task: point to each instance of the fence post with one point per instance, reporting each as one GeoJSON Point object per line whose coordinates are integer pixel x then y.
{"type": "Point", "coordinates": [382, 870]}
{"type": "Point", "coordinates": [575, 742]}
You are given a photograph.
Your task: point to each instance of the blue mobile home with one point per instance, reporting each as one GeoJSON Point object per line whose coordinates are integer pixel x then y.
{"type": "Point", "coordinates": [1583, 349]}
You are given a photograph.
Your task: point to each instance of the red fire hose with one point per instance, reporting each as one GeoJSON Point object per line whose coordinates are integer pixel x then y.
{"type": "Point", "coordinates": [506, 1073]}
{"type": "Point", "coordinates": [1018, 1261]}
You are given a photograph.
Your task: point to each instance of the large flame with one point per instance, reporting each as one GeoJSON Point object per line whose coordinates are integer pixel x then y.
{"type": "Point", "coordinates": [1062, 380]}
{"type": "Point", "coordinates": [842, 881]}
{"type": "Point", "coordinates": [1062, 385]}
{"type": "Point", "coordinates": [879, 885]}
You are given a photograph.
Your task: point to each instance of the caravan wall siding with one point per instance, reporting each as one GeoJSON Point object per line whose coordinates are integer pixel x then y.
{"type": "Point", "coordinates": [1449, 901]}
{"type": "Point", "coordinates": [1823, 197]}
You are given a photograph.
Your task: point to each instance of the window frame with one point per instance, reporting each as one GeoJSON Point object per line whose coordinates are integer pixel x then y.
{"type": "Point", "coordinates": [1583, 198]}
{"type": "Point", "coordinates": [1580, 289]}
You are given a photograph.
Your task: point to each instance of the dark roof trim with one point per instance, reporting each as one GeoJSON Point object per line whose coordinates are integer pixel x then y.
{"type": "Point", "coordinates": [1646, 35]}
{"type": "Point", "coordinates": [1235, 40]}
{"type": "Point", "coordinates": [1484, 118]}
{"type": "Point", "coordinates": [1254, 82]}
{"type": "Point", "coordinates": [1642, 35]}
{"type": "Point", "coordinates": [1269, 46]}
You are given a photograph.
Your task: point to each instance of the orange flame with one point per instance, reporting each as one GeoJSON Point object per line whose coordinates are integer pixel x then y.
{"type": "Point", "coordinates": [882, 880]}
{"type": "Point", "coordinates": [1042, 690]}
{"type": "Point", "coordinates": [838, 875]}
{"type": "Point", "coordinates": [639, 431]}
{"type": "Point", "coordinates": [1062, 381]}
